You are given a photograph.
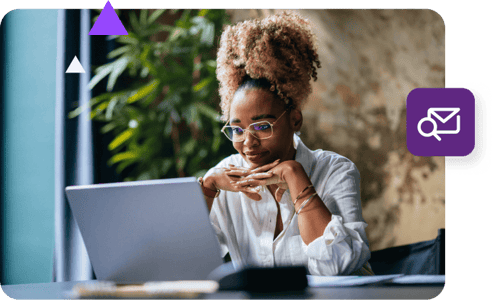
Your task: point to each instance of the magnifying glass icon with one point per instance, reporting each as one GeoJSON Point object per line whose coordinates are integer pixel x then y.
{"type": "Point", "coordinates": [433, 131]}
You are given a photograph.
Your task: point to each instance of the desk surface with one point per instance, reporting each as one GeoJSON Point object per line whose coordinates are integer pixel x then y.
{"type": "Point", "coordinates": [60, 290]}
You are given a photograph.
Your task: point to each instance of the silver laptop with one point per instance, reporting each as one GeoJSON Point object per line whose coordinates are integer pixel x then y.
{"type": "Point", "coordinates": [153, 230]}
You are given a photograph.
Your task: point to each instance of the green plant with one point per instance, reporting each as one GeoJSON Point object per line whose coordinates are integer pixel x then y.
{"type": "Point", "coordinates": [165, 123]}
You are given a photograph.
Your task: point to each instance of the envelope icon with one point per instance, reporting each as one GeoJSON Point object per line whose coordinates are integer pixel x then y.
{"type": "Point", "coordinates": [432, 112]}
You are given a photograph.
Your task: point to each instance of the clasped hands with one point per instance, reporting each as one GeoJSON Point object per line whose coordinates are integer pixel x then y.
{"type": "Point", "coordinates": [249, 181]}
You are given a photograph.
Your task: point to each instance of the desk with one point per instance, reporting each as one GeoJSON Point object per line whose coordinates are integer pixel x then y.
{"type": "Point", "coordinates": [59, 290]}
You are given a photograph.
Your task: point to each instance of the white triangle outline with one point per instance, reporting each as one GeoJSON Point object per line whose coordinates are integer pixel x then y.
{"type": "Point", "coordinates": [453, 110]}
{"type": "Point", "coordinates": [75, 66]}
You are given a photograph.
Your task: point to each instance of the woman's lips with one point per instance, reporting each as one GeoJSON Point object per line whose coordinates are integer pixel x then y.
{"type": "Point", "coordinates": [255, 156]}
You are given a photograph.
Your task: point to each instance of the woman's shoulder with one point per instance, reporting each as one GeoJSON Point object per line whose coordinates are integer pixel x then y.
{"type": "Point", "coordinates": [331, 163]}
{"type": "Point", "coordinates": [330, 157]}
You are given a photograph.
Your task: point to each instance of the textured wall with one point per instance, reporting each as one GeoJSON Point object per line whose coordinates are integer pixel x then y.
{"type": "Point", "coordinates": [371, 60]}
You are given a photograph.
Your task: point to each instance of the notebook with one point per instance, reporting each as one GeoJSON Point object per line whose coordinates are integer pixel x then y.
{"type": "Point", "coordinates": [154, 230]}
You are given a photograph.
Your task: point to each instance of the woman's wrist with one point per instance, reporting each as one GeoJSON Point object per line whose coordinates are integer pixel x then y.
{"type": "Point", "coordinates": [208, 187]}
{"type": "Point", "coordinates": [290, 170]}
{"type": "Point", "coordinates": [209, 182]}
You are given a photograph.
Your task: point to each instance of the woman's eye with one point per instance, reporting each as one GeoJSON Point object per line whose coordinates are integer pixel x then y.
{"type": "Point", "coordinates": [260, 127]}
{"type": "Point", "coordinates": [237, 130]}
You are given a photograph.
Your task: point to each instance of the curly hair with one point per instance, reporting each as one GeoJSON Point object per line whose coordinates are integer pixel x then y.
{"type": "Point", "coordinates": [280, 48]}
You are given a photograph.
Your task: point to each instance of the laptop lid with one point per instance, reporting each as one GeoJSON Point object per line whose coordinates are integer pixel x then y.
{"type": "Point", "coordinates": [154, 230]}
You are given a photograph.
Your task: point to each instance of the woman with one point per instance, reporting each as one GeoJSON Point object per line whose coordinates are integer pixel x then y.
{"type": "Point", "coordinates": [276, 202]}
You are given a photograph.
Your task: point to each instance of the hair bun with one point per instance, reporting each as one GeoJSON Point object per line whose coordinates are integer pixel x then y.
{"type": "Point", "coordinates": [280, 48]}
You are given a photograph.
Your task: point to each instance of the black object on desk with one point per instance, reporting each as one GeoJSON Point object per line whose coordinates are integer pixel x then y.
{"type": "Point", "coordinates": [266, 280]}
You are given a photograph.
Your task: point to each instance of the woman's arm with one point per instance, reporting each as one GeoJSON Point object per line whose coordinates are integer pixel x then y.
{"type": "Point", "coordinates": [314, 215]}
{"type": "Point", "coordinates": [208, 184]}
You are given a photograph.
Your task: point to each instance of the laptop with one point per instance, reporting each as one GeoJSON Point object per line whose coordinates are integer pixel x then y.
{"type": "Point", "coordinates": [153, 230]}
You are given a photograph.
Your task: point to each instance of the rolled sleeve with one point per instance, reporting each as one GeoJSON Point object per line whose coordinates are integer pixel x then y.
{"type": "Point", "coordinates": [341, 249]}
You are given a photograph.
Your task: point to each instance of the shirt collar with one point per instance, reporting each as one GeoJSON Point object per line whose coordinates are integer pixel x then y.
{"type": "Point", "coordinates": [304, 155]}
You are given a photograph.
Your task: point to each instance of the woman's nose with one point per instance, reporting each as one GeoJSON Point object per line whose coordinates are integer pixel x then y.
{"type": "Point", "coordinates": [250, 139]}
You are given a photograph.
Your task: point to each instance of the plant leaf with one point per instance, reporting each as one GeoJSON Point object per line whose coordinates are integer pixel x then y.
{"type": "Point", "coordinates": [143, 18]}
{"type": "Point", "coordinates": [121, 138]}
{"type": "Point", "coordinates": [101, 72]}
{"type": "Point", "coordinates": [156, 14]}
{"type": "Point", "coordinates": [123, 156]}
{"type": "Point", "coordinates": [118, 51]}
{"type": "Point", "coordinates": [208, 111]}
{"type": "Point", "coordinates": [131, 38]}
{"type": "Point", "coordinates": [134, 21]}
{"type": "Point", "coordinates": [122, 165]}
{"type": "Point", "coordinates": [108, 127]}
{"type": "Point", "coordinates": [203, 12]}
{"type": "Point", "coordinates": [203, 83]}
{"type": "Point", "coordinates": [118, 67]}
{"type": "Point", "coordinates": [99, 109]}
{"type": "Point", "coordinates": [144, 91]}
{"type": "Point", "coordinates": [110, 108]}
{"type": "Point", "coordinates": [189, 146]}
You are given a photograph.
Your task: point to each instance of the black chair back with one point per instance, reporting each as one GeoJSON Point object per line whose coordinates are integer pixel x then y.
{"type": "Point", "coordinates": [418, 258]}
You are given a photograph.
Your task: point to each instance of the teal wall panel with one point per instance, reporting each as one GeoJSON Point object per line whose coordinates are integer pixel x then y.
{"type": "Point", "coordinates": [29, 141]}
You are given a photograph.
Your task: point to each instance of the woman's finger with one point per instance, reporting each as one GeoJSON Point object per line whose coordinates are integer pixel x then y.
{"type": "Point", "coordinates": [248, 189]}
{"type": "Point", "coordinates": [241, 173]}
{"type": "Point", "coordinates": [262, 175]}
{"type": "Point", "coordinates": [250, 182]}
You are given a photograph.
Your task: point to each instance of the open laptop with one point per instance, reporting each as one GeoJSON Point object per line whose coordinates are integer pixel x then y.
{"type": "Point", "coordinates": [154, 230]}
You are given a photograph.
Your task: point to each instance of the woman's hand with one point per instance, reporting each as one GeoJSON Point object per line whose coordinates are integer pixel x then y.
{"type": "Point", "coordinates": [254, 180]}
{"type": "Point", "coordinates": [225, 179]}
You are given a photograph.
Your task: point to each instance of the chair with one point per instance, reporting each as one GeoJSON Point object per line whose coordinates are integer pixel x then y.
{"type": "Point", "coordinates": [419, 258]}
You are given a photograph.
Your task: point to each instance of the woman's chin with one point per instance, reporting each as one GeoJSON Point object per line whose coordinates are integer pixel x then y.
{"type": "Point", "coordinates": [256, 162]}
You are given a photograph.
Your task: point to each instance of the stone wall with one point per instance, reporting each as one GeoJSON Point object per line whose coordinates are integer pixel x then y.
{"type": "Point", "coordinates": [371, 60]}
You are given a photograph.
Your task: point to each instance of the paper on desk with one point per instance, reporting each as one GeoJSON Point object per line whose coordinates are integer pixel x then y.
{"type": "Point", "coordinates": [419, 279]}
{"type": "Point", "coordinates": [341, 281]}
{"type": "Point", "coordinates": [158, 289]}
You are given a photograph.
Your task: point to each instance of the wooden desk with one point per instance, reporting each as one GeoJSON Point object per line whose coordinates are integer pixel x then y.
{"type": "Point", "coordinates": [60, 290]}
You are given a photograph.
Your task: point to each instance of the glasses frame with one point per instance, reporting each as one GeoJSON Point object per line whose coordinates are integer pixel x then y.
{"type": "Point", "coordinates": [250, 131]}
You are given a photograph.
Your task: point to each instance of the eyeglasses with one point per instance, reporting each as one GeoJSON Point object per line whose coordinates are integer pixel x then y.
{"type": "Point", "coordinates": [260, 130]}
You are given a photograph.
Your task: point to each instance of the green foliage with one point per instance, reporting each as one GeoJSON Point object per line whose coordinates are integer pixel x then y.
{"type": "Point", "coordinates": [165, 121]}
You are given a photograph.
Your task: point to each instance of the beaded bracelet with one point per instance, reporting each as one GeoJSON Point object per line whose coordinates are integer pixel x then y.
{"type": "Point", "coordinates": [304, 203]}
{"type": "Point", "coordinates": [302, 192]}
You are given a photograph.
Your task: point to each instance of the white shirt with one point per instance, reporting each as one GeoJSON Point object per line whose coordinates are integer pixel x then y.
{"type": "Point", "coordinates": [245, 228]}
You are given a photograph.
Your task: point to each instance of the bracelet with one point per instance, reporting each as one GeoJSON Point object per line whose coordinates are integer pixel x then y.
{"type": "Point", "coordinates": [304, 203]}
{"type": "Point", "coordinates": [206, 191]}
{"type": "Point", "coordinates": [302, 192]}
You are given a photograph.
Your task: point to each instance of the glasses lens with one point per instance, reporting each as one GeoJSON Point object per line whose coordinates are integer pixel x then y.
{"type": "Point", "coordinates": [262, 130]}
{"type": "Point", "coordinates": [234, 133]}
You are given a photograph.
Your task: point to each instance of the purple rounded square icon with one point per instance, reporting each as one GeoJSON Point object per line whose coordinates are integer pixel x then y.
{"type": "Point", "coordinates": [440, 122]}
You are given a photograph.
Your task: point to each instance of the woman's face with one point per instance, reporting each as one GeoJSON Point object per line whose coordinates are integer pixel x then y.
{"type": "Point", "coordinates": [254, 105]}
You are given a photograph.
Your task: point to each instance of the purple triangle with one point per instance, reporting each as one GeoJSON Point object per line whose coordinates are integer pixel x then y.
{"type": "Point", "coordinates": [108, 23]}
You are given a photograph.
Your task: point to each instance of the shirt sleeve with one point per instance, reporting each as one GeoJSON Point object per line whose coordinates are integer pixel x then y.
{"type": "Point", "coordinates": [343, 248]}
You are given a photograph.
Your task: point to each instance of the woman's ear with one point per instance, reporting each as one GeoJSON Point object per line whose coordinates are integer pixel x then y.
{"type": "Point", "coordinates": [296, 119]}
